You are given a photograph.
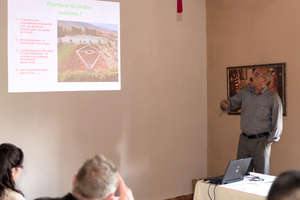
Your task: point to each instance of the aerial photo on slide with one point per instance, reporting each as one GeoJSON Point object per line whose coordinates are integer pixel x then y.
{"type": "Point", "coordinates": [87, 52]}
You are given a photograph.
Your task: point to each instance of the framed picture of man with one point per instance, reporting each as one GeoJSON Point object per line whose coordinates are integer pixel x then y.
{"type": "Point", "coordinates": [239, 77]}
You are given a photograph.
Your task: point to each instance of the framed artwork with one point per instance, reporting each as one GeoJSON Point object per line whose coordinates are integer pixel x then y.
{"type": "Point", "coordinates": [239, 77]}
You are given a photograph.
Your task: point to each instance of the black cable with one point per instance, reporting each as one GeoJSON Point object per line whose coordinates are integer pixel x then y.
{"type": "Point", "coordinates": [256, 178]}
{"type": "Point", "coordinates": [215, 191]}
{"type": "Point", "coordinates": [208, 191]}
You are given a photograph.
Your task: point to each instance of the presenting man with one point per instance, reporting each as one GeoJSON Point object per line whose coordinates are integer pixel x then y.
{"type": "Point", "coordinates": [97, 179]}
{"type": "Point", "coordinates": [261, 119]}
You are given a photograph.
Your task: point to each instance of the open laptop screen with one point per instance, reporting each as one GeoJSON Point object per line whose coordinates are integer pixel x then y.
{"type": "Point", "coordinates": [236, 170]}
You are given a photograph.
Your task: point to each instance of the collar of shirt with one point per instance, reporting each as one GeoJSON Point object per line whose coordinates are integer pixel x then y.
{"type": "Point", "coordinates": [252, 90]}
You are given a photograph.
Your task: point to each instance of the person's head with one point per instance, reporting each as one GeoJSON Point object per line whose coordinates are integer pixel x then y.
{"type": "Point", "coordinates": [261, 77]}
{"type": "Point", "coordinates": [286, 186]}
{"type": "Point", "coordinates": [96, 179]}
{"type": "Point", "coordinates": [11, 163]}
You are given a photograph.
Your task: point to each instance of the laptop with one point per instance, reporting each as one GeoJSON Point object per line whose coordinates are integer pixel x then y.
{"type": "Point", "coordinates": [235, 171]}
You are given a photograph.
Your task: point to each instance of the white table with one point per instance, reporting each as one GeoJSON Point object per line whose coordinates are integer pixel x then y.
{"type": "Point", "coordinates": [246, 189]}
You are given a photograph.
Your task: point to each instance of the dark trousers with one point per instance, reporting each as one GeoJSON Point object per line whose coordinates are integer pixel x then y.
{"type": "Point", "coordinates": [259, 150]}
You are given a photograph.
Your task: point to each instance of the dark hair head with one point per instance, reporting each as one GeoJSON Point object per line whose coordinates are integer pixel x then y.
{"type": "Point", "coordinates": [10, 157]}
{"type": "Point", "coordinates": [285, 186]}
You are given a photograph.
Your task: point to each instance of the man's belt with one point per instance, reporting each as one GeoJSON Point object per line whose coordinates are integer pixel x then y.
{"type": "Point", "coordinates": [256, 135]}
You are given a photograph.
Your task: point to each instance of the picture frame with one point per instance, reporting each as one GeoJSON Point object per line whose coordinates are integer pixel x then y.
{"type": "Point", "coordinates": [239, 77]}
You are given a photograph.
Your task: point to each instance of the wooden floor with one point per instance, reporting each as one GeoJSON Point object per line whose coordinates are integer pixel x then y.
{"type": "Point", "coordinates": [183, 197]}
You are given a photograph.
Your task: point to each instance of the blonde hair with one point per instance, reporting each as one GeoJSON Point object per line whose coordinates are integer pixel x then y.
{"type": "Point", "coordinates": [96, 179]}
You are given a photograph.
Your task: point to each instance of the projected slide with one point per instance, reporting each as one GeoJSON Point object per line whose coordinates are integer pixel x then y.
{"type": "Point", "coordinates": [63, 45]}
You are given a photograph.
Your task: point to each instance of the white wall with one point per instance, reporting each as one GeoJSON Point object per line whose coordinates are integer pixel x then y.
{"type": "Point", "coordinates": [154, 129]}
{"type": "Point", "coordinates": [252, 32]}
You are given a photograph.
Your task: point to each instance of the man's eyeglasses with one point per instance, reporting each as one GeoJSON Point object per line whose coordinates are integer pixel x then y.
{"type": "Point", "coordinates": [257, 74]}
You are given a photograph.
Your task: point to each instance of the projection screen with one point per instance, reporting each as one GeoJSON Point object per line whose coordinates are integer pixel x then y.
{"type": "Point", "coordinates": [63, 45]}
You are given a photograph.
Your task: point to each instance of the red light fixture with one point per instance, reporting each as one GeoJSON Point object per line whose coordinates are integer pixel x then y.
{"type": "Point", "coordinates": [179, 6]}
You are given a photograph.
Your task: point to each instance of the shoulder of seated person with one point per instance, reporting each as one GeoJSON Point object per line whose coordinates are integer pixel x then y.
{"type": "Point", "coordinates": [12, 195]}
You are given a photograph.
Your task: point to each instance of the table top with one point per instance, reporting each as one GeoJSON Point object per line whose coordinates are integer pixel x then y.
{"type": "Point", "coordinates": [254, 183]}
{"type": "Point", "coordinates": [253, 187]}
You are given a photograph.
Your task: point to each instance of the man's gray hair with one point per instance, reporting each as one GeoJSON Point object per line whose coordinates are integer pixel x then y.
{"type": "Point", "coordinates": [266, 74]}
{"type": "Point", "coordinates": [96, 179]}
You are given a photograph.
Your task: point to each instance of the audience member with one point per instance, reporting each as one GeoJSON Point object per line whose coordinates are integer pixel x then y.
{"type": "Point", "coordinates": [97, 179]}
{"type": "Point", "coordinates": [11, 160]}
{"type": "Point", "coordinates": [286, 186]}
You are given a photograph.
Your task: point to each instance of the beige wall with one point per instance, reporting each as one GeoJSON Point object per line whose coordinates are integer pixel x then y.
{"type": "Point", "coordinates": [244, 33]}
{"type": "Point", "coordinates": [154, 129]}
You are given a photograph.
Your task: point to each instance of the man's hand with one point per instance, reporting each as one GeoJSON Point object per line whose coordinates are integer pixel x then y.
{"type": "Point", "coordinates": [125, 192]}
{"type": "Point", "coordinates": [224, 104]}
{"type": "Point", "coordinates": [270, 143]}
